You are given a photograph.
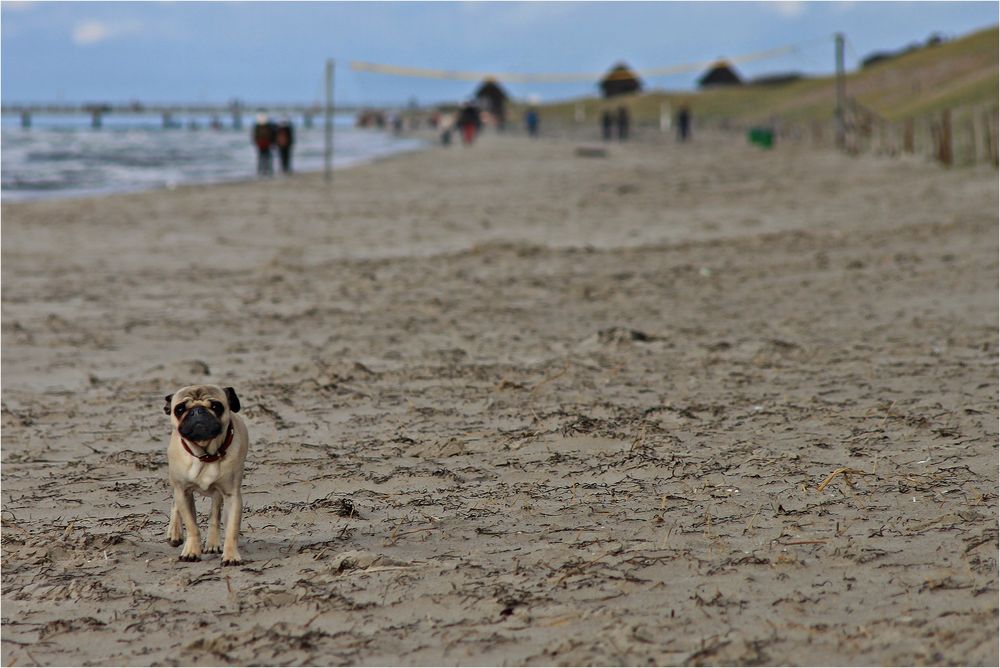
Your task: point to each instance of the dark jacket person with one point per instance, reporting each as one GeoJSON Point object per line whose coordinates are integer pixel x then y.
{"type": "Point", "coordinates": [262, 136]}
{"type": "Point", "coordinates": [285, 138]}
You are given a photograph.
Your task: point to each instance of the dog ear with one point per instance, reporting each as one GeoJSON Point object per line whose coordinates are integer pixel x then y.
{"type": "Point", "coordinates": [166, 406]}
{"type": "Point", "coordinates": [234, 401]}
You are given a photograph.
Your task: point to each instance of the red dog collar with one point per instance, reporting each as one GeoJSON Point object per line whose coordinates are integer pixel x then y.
{"type": "Point", "coordinates": [219, 454]}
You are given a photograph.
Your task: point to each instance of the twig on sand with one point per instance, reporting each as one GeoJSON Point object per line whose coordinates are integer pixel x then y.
{"type": "Point", "coordinates": [412, 531]}
{"type": "Point", "coordinates": [638, 440]}
{"type": "Point", "coordinates": [750, 521]}
{"type": "Point", "coordinates": [534, 388]}
{"type": "Point", "coordinates": [396, 535]}
{"type": "Point", "coordinates": [845, 471]}
{"type": "Point", "coordinates": [351, 388]}
{"type": "Point", "coordinates": [576, 570]}
{"type": "Point", "coordinates": [559, 621]}
{"type": "Point", "coordinates": [819, 541]}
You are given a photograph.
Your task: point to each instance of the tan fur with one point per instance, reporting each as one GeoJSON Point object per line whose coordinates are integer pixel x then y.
{"type": "Point", "coordinates": [220, 480]}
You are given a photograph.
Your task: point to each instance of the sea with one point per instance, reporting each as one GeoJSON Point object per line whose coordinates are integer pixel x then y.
{"type": "Point", "coordinates": [63, 156]}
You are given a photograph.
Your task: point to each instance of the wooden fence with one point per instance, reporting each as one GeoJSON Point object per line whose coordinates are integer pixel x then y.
{"type": "Point", "coordinates": [959, 137]}
{"type": "Point", "coordinates": [954, 137]}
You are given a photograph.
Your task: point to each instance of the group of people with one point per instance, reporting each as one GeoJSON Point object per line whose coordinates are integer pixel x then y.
{"type": "Point", "coordinates": [267, 136]}
{"type": "Point", "coordinates": [468, 120]}
{"type": "Point", "coordinates": [609, 120]}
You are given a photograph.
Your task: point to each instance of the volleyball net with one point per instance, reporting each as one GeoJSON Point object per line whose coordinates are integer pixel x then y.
{"type": "Point", "coordinates": [559, 77]}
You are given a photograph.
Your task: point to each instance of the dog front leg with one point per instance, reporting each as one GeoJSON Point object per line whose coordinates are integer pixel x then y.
{"type": "Point", "coordinates": [230, 551]}
{"type": "Point", "coordinates": [174, 537]}
{"type": "Point", "coordinates": [184, 502]}
{"type": "Point", "coordinates": [212, 544]}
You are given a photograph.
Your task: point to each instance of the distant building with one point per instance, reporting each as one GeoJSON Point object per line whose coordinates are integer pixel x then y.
{"type": "Point", "coordinates": [620, 80]}
{"type": "Point", "coordinates": [877, 57]}
{"type": "Point", "coordinates": [492, 98]}
{"type": "Point", "coordinates": [778, 79]}
{"type": "Point", "coordinates": [936, 39]}
{"type": "Point", "coordinates": [720, 74]}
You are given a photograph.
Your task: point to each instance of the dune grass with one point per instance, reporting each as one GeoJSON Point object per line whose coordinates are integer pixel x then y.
{"type": "Point", "coordinates": [956, 74]}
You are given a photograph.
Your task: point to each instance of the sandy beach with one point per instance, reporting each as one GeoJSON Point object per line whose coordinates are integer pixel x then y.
{"type": "Point", "coordinates": [695, 404]}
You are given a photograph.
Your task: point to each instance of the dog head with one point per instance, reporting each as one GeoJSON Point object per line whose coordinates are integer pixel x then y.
{"type": "Point", "coordinates": [199, 412]}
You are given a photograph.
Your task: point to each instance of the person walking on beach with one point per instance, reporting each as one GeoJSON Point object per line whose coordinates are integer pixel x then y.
{"type": "Point", "coordinates": [446, 124]}
{"type": "Point", "coordinates": [606, 124]}
{"type": "Point", "coordinates": [531, 122]}
{"type": "Point", "coordinates": [263, 137]}
{"type": "Point", "coordinates": [469, 122]}
{"type": "Point", "coordinates": [683, 124]}
{"type": "Point", "coordinates": [622, 123]}
{"type": "Point", "coordinates": [285, 138]}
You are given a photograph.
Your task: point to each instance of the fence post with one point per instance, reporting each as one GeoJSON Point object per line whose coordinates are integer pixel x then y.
{"type": "Point", "coordinates": [841, 91]}
{"type": "Point", "coordinates": [908, 135]}
{"type": "Point", "coordinates": [935, 139]}
{"type": "Point", "coordinates": [989, 138]}
{"type": "Point", "coordinates": [944, 153]}
{"type": "Point", "coordinates": [970, 133]}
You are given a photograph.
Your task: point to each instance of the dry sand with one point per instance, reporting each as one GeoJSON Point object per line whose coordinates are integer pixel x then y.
{"type": "Point", "coordinates": [513, 406]}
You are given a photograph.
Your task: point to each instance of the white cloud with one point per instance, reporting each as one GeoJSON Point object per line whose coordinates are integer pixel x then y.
{"type": "Point", "coordinates": [787, 8]}
{"type": "Point", "coordinates": [91, 32]}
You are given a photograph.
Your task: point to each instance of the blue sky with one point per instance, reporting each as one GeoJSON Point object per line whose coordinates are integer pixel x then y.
{"type": "Point", "coordinates": [264, 51]}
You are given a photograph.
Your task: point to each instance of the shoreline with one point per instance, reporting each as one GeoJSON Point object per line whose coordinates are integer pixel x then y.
{"type": "Point", "coordinates": [13, 196]}
{"type": "Point", "coordinates": [508, 404]}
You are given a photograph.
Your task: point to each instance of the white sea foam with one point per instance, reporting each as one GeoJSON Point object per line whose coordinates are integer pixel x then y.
{"type": "Point", "coordinates": [48, 161]}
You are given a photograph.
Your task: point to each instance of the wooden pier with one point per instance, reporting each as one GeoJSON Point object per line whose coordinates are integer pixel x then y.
{"type": "Point", "coordinates": [169, 112]}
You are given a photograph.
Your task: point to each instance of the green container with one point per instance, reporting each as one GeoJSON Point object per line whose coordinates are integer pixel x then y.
{"type": "Point", "coordinates": [763, 137]}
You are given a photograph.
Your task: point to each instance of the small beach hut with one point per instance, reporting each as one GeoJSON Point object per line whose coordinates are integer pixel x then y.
{"type": "Point", "coordinates": [620, 80]}
{"type": "Point", "coordinates": [492, 98]}
{"type": "Point", "coordinates": [720, 74]}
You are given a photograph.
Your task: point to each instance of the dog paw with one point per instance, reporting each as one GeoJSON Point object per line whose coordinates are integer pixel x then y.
{"type": "Point", "coordinates": [174, 542]}
{"type": "Point", "coordinates": [232, 562]}
{"type": "Point", "coordinates": [212, 549]}
{"type": "Point", "coordinates": [189, 557]}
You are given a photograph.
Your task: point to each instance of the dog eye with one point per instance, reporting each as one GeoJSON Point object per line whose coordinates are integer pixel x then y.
{"type": "Point", "coordinates": [179, 410]}
{"type": "Point", "coordinates": [218, 408]}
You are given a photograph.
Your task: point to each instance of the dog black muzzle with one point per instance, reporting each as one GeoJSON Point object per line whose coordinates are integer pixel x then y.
{"type": "Point", "coordinates": [200, 425]}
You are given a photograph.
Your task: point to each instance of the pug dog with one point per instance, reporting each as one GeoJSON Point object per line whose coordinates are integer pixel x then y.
{"type": "Point", "coordinates": [208, 446]}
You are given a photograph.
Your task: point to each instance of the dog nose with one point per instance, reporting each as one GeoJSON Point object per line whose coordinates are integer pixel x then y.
{"type": "Point", "coordinates": [200, 425]}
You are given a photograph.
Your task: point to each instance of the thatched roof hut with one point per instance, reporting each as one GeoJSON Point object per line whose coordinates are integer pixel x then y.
{"type": "Point", "coordinates": [491, 97]}
{"type": "Point", "coordinates": [720, 74]}
{"type": "Point", "coordinates": [620, 80]}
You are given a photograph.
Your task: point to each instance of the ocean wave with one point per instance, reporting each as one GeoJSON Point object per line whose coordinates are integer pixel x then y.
{"type": "Point", "coordinates": [42, 163]}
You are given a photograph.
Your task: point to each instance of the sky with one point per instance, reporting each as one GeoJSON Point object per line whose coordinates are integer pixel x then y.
{"type": "Point", "coordinates": [275, 51]}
